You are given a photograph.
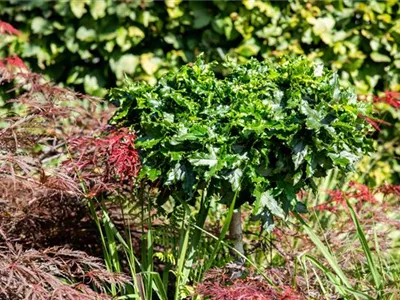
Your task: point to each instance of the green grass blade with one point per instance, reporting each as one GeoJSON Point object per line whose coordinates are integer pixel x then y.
{"type": "Point", "coordinates": [328, 273]}
{"type": "Point", "coordinates": [148, 255]}
{"type": "Point", "coordinates": [93, 213]}
{"type": "Point", "coordinates": [184, 245]}
{"type": "Point", "coordinates": [194, 241]}
{"type": "Point", "coordinates": [304, 267]}
{"type": "Point", "coordinates": [344, 290]}
{"type": "Point", "coordinates": [111, 245]}
{"type": "Point", "coordinates": [130, 256]}
{"type": "Point", "coordinates": [128, 297]}
{"type": "Point", "coordinates": [321, 285]}
{"type": "Point", "coordinates": [239, 254]}
{"type": "Point", "coordinates": [325, 252]}
{"type": "Point", "coordinates": [378, 253]}
{"type": "Point", "coordinates": [158, 286]}
{"type": "Point", "coordinates": [367, 251]}
{"type": "Point", "coordinates": [223, 233]}
{"type": "Point", "coordinates": [127, 247]}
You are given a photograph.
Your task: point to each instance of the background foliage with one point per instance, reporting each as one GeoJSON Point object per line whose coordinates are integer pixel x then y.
{"type": "Point", "coordinates": [91, 44]}
{"type": "Point", "coordinates": [384, 165]}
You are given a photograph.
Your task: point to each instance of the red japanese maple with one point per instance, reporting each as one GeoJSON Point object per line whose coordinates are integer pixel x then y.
{"type": "Point", "coordinates": [6, 28]}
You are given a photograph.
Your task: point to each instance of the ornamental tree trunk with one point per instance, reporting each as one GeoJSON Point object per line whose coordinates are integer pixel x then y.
{"type": "Point", "coordinates": [235, 231]}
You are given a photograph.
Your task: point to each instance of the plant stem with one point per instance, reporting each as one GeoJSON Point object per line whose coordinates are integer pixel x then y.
{"type": "Point", "coordinates": [235, 231]}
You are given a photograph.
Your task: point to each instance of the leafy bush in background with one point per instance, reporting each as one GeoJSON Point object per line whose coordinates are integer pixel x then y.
{"type": "Point", "coordinates": [383, 167]}
{"type": "Point", "coordinates": [92, 43]}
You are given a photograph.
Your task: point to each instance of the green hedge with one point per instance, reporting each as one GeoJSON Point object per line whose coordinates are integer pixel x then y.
{"type": "Point", "coordinates": [92, 43]}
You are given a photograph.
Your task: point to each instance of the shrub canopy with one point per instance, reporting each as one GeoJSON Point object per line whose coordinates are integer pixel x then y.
{"type": "Point", "coordinates": [265, 130]}
{"type": "Point", "coordinates": [90, 44]}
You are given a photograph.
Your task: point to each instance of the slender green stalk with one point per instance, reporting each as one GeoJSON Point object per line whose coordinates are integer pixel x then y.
{"type": "Point", "coordinates": [367, 251]}
{"type": "Point", "coordinates": [183, 248]}
{"type": "Point", "coordinates": [222, 235]}
{"type": "Point", "coordinates": [343, 289]}
{"type": "Point", "coordinates": [325, 251]}
{"type": "Point", "coordinates": [320, 284]}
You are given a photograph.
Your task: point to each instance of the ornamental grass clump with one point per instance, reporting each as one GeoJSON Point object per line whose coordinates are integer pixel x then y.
{"type": "Point", "coordinates": [260, 134]}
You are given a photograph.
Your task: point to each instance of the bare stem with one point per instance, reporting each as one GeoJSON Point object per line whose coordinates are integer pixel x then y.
{"type": "Point", "coordinates": [235, 231]}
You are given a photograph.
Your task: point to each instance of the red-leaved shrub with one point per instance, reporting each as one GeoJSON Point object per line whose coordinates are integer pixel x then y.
{"type": "Point", "coordinates": [104, 163]}
{"type": "Point", "coordinates": [52, 273]}
{"type": "Point", "coordinates": [42, 200]}
{"type": "Point", "coordinates": [6, 28]}
{"type": "Point", "coordinates": [219, 285]}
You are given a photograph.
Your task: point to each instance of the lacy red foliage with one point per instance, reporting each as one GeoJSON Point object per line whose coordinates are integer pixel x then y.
{"type": "Point", "coordinates": [40, 200]}
{"type": "Point", "coordinates": [35, 274]}
{"type": "Point", "coordinates": [13, 61]}
{"type": "Point", "coordinates": [106, 162]}
{"type": "Point", "coordinates": [337, 199]}
{"type": "Point", "coordinates": [123, 156]}
{"type": "Point", "coordinates": [302, 194]}
{"type": "Point", "coordinates": [289, 294]}
{"type": "Point", "coordinates": [391, 98]}
{"type": "Point", "coordinates": [6, 28]}
{"type": "Point", "coordinates": [389, 189]}
{"type": "Point", "coordinates": [218, 285]}
{"type": "Point", "coordinates": [359, 192]}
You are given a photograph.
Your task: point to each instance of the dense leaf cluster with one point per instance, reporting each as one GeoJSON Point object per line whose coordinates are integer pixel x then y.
{"type": "Point", "coordinates": [91, 43]}
{"type": "Point", "coordinates": [265, 130]}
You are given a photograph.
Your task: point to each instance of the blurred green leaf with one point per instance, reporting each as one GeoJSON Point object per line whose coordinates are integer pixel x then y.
{"type": "Point", "coordinates": [177, 30]}
{"type": "Point", "coordinates": [125, 64]}
{"type": "Point", "coordinates": [98, 8]}
{"type": "Point", "coordinates": [149, 63]}
{"type": "Point", "coordinates": [378, 57]}
{"type": "Point", "coordinates": [201, 14]}
{"type": "Point", "coordinates": [86, 34]}
{"type": "Point", "coordinates": [248, 49]}
{"type": "Point", "coordinates": [40, 25]}
{"type": "Point", "coordinates": [78, 7]}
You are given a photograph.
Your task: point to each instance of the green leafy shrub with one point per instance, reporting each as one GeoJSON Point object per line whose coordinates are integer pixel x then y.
{"type": "Point", "coordinates": [91, 43]}
{"type": "Point", "coordinates": [265, 131]}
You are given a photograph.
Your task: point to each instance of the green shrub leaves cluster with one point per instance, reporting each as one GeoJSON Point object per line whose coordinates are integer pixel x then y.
{"type": "Point", "coordinates": [93, 43]}
{"type": "Point", "coordinates": [264, 131]}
